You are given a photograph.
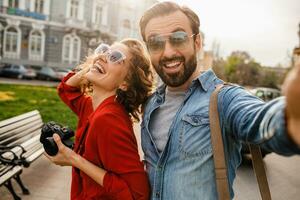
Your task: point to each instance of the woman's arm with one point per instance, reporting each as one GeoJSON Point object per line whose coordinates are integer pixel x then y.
{"type": "Point", "coordinates": [70, 93]}
{"type": "Point", "coordinates": [67, 157]}
{"type": "Point", "coordinates": [111, 182]}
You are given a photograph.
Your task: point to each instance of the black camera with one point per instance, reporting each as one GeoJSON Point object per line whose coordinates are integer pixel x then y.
{"type": "Point", "coordinates": [47, 140]}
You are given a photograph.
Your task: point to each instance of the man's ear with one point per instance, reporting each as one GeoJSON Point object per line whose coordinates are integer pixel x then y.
{"type": "Point", "coordinates": [123, 86]}
{"type": "Point", "coordinates": [198, 42]}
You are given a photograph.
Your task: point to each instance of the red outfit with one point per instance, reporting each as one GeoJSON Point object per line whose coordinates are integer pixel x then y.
{"type": "Point", "coordinates": [110, 144]}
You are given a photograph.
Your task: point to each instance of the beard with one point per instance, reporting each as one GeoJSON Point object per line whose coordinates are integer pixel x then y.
{"type": "Point", "coordinates": [179, 78]}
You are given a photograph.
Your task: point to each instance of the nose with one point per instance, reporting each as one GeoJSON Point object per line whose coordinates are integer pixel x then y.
{"type": "Point", "coordinates": [169, 51]}
{"type": "Point", "coordinates": [100, 58]}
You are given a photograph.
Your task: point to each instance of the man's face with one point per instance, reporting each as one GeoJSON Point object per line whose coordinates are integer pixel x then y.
{"type": "Point", "coordinates": [174, 62]}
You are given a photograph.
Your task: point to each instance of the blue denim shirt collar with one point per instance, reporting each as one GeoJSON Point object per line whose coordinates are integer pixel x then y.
{"type": "Point", "coordinates": [205, 80]}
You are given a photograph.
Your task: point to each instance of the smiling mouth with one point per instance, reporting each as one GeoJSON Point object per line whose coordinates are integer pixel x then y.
{"type": "Point", "coordinates": [98, 67]}
{"type": "Point", "coordinates": [172, 64]}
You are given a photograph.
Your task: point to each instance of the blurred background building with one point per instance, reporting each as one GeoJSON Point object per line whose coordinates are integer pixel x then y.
{"type": "Point", "coordinates": [60, 33]}
{"type": "Point", "coordinates": [296, 53]}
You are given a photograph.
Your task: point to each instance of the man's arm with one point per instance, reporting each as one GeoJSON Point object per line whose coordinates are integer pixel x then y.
{"type": "Point", "coordinates": [249, 119]}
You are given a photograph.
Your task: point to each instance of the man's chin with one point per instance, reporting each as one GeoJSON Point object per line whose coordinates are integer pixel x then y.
{"type": "Point", "coordinates": [173, 80]}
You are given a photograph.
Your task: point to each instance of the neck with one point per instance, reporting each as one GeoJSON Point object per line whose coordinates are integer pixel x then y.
{"type": "Point", "coordinates": [98, 96]}
{"type": "Point", "coordinates": [185, 86]}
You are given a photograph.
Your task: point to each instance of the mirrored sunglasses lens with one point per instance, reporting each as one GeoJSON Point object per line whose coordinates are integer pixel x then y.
{"type": "Point", "coordinates": [102, 48]}
{"type": "Point", "coordinates": [178, 38]}
{"type": "Point", "coordinates": [115, 56]}
{"type": "Point", "coordinates": [156, 43]}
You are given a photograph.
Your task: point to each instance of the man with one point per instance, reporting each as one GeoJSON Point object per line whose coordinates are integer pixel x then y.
{"type": "Point", "coordinates": [175, 128]}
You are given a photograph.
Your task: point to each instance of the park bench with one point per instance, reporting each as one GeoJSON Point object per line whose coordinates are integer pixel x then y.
{"type": "Point", "coordinates": [19, 147]}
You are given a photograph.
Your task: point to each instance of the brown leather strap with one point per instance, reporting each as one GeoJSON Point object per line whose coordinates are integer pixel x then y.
{"type": "Point", "coordinates": [260, 172]}
{"type": "Point", "coordinates": [219, 155]}
{"type": "Point", "coordinates": [218, 149]}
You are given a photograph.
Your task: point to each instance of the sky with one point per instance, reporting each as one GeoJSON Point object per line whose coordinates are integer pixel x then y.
{"type": "Point", "coordinates": [266, 29]}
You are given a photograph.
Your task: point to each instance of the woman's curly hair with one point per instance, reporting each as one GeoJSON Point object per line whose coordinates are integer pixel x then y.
{"type": "Point", "coordinates": [139, 79]}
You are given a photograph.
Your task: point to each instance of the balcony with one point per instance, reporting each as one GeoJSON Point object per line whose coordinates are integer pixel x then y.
{"type": "Point", "coordinates": [73, 22]}
{"type": "Point", "coordinates": [102, 28]}
{"type": "Point", "coordinates": [23, 13]}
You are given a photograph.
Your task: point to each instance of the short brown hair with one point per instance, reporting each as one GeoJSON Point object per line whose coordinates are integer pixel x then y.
{"type": "Point", "coordinates": [165, 8]}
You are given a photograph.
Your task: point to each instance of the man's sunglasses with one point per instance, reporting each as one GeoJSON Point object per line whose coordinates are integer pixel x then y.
{"type": "Point", "coordinates": [178, 40]}
{"type": "Point", "coordinates": [113, 56]}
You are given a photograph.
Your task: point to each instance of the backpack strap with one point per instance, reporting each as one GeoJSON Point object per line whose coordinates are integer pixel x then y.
{"type": "Point", "coordinates": [260, 172]}
{"type": "Point", "coordinates": [218, 148]}
{"type": "Point", "coordinates": [219, 155]}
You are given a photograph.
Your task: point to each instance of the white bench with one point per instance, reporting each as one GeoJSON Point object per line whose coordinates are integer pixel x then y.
{"type": "Point", "coordinates": [19, 147]}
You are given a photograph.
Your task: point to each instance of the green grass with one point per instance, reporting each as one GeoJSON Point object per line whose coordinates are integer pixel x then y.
{"type": "Point", "coordinates": [18, 99]}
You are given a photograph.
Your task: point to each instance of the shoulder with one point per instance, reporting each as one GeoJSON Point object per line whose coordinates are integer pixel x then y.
{"type": "Point", "coordinates": [233, 91]}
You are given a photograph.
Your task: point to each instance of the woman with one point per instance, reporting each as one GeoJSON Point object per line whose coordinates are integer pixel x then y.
{"type": "Point", "coordinates": [105, 159]}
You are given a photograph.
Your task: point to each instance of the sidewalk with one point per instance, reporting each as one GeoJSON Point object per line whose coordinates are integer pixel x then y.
{"type": "Point", "coordinates": [44, 180]}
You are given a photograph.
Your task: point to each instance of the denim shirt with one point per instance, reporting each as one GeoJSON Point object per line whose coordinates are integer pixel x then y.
{"type": "Point", "coordinates": [185, 168]}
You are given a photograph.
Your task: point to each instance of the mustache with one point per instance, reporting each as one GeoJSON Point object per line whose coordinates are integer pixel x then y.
{"type": "Point", "coordinates": [173, 58]}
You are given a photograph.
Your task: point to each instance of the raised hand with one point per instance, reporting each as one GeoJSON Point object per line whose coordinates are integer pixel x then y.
{"type": "Point", "coordinates": [291, 90]}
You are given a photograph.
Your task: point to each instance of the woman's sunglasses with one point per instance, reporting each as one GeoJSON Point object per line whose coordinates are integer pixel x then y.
{"type": "Point", "coordinates": [113, 56]}
{"type": "Point", "coordinates": [178, 40]}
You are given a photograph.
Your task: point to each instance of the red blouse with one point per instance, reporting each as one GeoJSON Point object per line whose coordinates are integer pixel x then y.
{"type": "Point", "coordinates": [110, 144]}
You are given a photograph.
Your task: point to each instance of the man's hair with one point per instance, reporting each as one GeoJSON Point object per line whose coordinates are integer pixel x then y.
{"type": "Point", "coordinates": [166, 8]}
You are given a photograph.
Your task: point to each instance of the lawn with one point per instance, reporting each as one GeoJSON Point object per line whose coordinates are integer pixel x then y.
{"type": "Point", "coordinates": [18, 99]}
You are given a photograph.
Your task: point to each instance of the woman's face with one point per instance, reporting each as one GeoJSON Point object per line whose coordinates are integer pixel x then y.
{"type": "Point", "coordinates": [106, 73]}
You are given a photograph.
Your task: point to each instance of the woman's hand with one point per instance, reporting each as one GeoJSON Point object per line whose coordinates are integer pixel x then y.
{"type": "Point", "coordinates": [79, 77]}
{"type": "Point", "coordinates": [65, 155]}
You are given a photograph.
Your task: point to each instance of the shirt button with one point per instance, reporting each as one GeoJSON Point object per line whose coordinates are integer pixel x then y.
{"type": "Point", "coordinates": [157, 195]}
{"type": "Point", "coordinates": [158, 100]}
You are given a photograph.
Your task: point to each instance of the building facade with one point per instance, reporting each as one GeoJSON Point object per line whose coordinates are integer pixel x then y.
{"type": "Point", "coordinates": [296, 52]}
{"type": "Point", "coordinates": [60, 33]}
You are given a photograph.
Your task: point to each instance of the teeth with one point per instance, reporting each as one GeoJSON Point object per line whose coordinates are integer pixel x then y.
{"type": "Point", "coordinates": [172, 64]}
{"type": "Point", "coordinates": [99, 68]}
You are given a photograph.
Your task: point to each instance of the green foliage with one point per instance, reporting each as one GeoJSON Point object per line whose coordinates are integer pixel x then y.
{"type": "Point", "coordinates": [270, 79]}
{"type": "Point", "coordinates": [18, 99]}
{"type": "Point", "coordinates": [240, 68]}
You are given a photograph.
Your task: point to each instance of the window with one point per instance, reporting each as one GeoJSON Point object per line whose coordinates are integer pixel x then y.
{"type": "Point", "coordinates": [13, 3]}
{"type": "Point", "coordinates": [71, 48]}
{"type": "Point", "coordinates": [74, 9]}
{"type": "Point", "coordinates": [39, 6]}
{"type": "Point", "coordinates": [98, 16]}
{"type": "Point", "coordinates": [1, 40]}
{"type": "Point", "coordinates": [36, 45]}
{"type": "Point", "coordinates": [66, 48]}
{"type": "Point", "coordinates": [12, 40]}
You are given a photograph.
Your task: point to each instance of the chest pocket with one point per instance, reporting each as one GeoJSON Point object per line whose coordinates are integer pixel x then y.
{"type": "Point", "coordinates": [194, 138]}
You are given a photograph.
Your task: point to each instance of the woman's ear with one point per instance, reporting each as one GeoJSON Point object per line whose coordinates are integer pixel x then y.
{"type": "Point", "coordinates": [123, 86]}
